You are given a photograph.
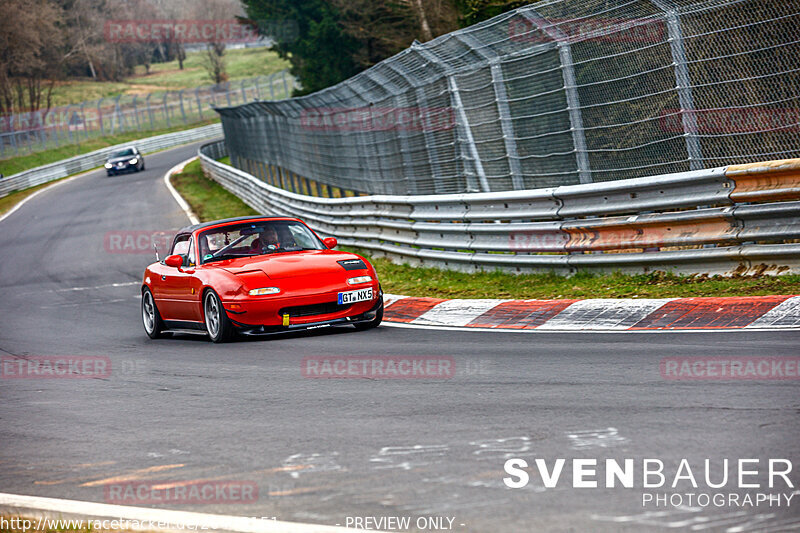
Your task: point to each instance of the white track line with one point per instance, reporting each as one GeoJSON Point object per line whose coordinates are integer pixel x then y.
{"type": "Point", "coordinates": [178, 198]}
{"type": "Point", "coordinates": [213, 522]}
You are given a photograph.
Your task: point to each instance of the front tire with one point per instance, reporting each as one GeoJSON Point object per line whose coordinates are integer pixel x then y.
{"type": "Point", "coordinates": [218, 325]}
{"type": "Point", "coordinates": [153, 325]}
{"type": "Point", "coordinates": [375, 322]}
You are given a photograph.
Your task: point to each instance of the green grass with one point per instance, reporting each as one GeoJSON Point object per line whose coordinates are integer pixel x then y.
{"type": "Point", "coordinates": [412, 281]}
{"type": "Point", "coordinates": [211, 202]}
{"type": "Point", "coordinates": [18, 164]}
{"type": "Point", "coordinates": [244, 63]}
{"type": "Point", "coordinates": [206, 197]}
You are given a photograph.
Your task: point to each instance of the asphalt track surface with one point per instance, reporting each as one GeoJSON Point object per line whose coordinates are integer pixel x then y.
{"type": "Point", "coordinates": [321, 450]}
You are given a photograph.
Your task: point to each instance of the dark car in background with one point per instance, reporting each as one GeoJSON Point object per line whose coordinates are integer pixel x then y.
{"type": "Point", "coordinates": [128, 160]}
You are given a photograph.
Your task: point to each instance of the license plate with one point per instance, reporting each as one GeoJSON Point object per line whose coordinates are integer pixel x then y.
{"type": "Point", "coordinates": [355, 296]}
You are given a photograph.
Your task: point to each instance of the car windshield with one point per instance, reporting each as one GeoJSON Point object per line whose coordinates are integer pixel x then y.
{"type": "Point", "coordinates": [124, 153]}
{"type": "Point", "coordinates": [256, 238]}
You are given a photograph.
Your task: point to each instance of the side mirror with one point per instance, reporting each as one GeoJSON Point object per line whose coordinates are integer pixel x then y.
{"type": "Point", "coordinates": [330, 242]}
{"type": "Point", "coordinates": [175, 261]}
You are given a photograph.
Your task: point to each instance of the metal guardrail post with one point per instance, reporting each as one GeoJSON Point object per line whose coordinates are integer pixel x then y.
{"type": "Point", "coordinates": [570, 89]}
{"type": "Point", "coordinates": [683, 83]}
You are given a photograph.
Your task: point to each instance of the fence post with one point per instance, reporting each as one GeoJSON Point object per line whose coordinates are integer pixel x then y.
{"type": "Point", "coordinates": [69, 123]}
{"type": "Point", "coordinates": [13, 134]}
{"type": "Point", "coordinates": [501, 99]}
{"type": "Point", "coordinates": [136, 113]}
{"type": "Point", "coordinates": [166, 109]}
{"type": "Point", "coordinates": [199, 105]}
{"type": "Point", "coordinates": [683, 84]}
{"type": "Point", "coordinates": [83, 119]}
{"type": "Point", "coordinates": [455, 99]}
{"type": "Point", "coordinates": [116, 115]}
{"type": "Point", "coordinates": [285, 85]}
{"type": "Point", "coordinates": [100, 115]}
{"type": "Point", "coordinates": [183, 110]}
{"type": "Point", "coordinates": [271, 81]}
{"type": "Point", "coordinates": [150, 110]}
{"type": "Point", "coordinates": [570, 89]}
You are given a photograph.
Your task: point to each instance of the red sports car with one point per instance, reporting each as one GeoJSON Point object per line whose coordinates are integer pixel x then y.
{"type": "Point", "coordinates": [257, 276]}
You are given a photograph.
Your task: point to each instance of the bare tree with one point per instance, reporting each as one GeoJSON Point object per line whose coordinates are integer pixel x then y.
{"type": "Point", "coordinates": [214, 58]}
{"type": "Point", "coordinates": [30, 53]}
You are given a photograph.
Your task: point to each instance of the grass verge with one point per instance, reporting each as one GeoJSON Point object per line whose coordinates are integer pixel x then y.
{"type": "Point", "coordinates": [239, 64]}
{"type": "Point", "coordinates": [206, 197]}
{"type": "Point", "coordinates": [13, 165]}
{"type": "Point", "coordinates": [211, 202]}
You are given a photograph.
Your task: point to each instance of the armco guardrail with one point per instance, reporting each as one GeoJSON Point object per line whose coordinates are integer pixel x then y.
{"type": "Point", "coordinates": [687, 222]}
{"type": "Point", "coordinates": [81, 163]}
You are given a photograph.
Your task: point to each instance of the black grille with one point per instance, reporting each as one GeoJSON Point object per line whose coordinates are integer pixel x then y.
{"type": "Point", "coordinates": [314, 309]}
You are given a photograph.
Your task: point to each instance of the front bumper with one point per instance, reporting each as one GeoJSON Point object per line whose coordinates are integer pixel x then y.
{"type": "Point", "coordinates": [268, 312]}
{"type": "Point", "coordinates": [127, 167]}
{"type": "Point", "coordinates": [258, 330]}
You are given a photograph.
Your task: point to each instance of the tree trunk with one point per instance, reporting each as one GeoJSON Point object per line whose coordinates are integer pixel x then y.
{"type": "Point", "coordinates": [423, 20]}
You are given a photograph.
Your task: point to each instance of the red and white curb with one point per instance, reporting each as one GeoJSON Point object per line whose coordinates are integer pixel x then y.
{"type": "Point", "coordinates": [663, 314]}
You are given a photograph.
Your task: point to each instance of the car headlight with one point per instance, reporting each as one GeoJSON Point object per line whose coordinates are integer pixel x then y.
{"type": "Point", "coordinates": [108, 165]}
{"type": "Point", "coordinates": [133, 161]}
{"type": "Point", "coordinates": [359, 279]}
{"type": "Point", "coordinates": [264, 290]}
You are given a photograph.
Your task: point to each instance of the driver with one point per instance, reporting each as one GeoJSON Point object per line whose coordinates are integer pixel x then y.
{"type": "Point", "coordinates": [267, 240]}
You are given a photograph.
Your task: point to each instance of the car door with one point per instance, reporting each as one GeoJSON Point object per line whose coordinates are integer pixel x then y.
{"type": "Point", "coordinates": [171, 288]}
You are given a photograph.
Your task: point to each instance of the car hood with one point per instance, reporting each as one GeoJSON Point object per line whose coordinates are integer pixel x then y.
{"type": "Point", "coordinates": [113, 160]}
{"type": "Point", "coordinates": [292, 264]}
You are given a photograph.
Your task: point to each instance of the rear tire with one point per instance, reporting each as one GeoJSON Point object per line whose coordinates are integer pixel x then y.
{"type": "Point", "coordinates": [218, 325]}
{"type": "Point", "coordinates": [153, 325]}
{"type": "Point", "coordinates": [375, 322]}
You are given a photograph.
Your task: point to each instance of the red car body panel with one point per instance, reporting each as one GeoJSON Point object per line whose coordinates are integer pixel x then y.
{"type": "Point", "coordinates": [305, 278]}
